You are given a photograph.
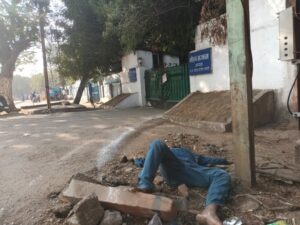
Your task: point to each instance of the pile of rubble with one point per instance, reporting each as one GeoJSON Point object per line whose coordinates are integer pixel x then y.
{"type": "Point", "coordinates": [167, 204]}
{"type": "Point", "coordinates": [105, 196]}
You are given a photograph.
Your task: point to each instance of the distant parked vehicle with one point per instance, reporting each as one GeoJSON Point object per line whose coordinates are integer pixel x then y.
{"type": "Point", "coordinates": [55, 94]}
{"type": "Point", "coordinates": [3, 105]}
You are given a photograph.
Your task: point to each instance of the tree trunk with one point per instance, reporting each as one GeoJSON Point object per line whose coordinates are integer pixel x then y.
{"type": "Point", "coordinates": [80, 90]}
{"type": "Point", "coordinates": [6, 91]}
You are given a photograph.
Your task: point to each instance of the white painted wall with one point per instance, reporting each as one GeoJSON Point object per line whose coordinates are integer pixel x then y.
{"type": "Point", "coordinates": [131, 101]}
{"type": "Point", "coordinates": [135, 87]}
{"type": "Point", "coordinates": [170, 61]}
{"type": "Point", "coordinates": [268, 71]}
{"type": "Point", "coordinates": [127, 86]}
{"type": "Point", "coordinates": [74, 88]}
{"type": "Point", "coordinates": [131, 60]}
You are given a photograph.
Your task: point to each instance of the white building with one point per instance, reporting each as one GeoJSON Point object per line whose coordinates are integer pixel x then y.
{"type": "Point", "coordinates": [132, 76]}
{"type": "Point", "coordinates": [269, 72]}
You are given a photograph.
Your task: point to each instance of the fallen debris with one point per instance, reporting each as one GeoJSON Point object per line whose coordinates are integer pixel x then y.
{"type": "Point", "coordinates": [280, 173]}
{"type": "Point", "coordinates": [233, 221]}
{"type": "Point", "coordinates": [112, 218]}
{"type": "Point", "coordinates": [181, 204]}
{"type": "Point", "coordinates": [183, 190]}
{"type": "Point", "coordinates": [246, 203]}
{"type": "Point", "coordinates": [62, 211]}
{"type": "Point", "coordinates": [88, 211]}
{"type": "Point", "coordinates": [268, 202]}
{"type": "Point", "coordinates": [278, 222]}
{"type": "Point", "coordinates": [158, 180]}
{"type": "Point", "coordinates": [124, 159]}
{"type": "Point", "coordinates": [155, 220]}
{"type": "Point", "coordinates": [128, 170]}
{"type": "Point", "coordinates": [281, 205]}
{"type": "Point", "coordinates": [53, 194]}
{"type": "Point", "coordinates": [122, 199]}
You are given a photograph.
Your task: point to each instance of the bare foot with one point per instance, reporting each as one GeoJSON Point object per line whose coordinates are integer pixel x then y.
{"type": "Point", "coordinates": [209, 216]}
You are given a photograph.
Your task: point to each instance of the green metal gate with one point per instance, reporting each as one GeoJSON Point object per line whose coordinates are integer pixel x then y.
{"type": "Point", "coordinates": [167, 85]}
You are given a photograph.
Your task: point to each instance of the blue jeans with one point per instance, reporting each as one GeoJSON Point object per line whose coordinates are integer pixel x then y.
{"type": "Point", "coordinates": [177, 170]}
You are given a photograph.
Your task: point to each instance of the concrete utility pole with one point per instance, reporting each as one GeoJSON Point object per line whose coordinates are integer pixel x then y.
{"type": "Point", "coordinates": [240, 69]}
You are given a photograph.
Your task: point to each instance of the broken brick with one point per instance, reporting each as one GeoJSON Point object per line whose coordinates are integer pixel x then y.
{"type": "Point", "coordinates": [122, 199]}
{"type": "Point", "coordinates": [62, 211]}
{"type": "Point", "coordinates": [181, 204]}
{"type": "Point", "coordinates": [112, 218]}
{"type": "Point", "coordinates": [158, 180]}
{"type": "Point", "coordinates": [183, 190]}
{"type": "Point", "coordinates": [124, 159]}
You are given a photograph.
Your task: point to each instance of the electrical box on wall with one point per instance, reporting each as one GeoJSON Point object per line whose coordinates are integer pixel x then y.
{"type": "Point", "coordinates": [286, 35]}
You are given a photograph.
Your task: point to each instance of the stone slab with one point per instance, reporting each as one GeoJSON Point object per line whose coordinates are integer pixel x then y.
{"type": "Point", "coordinates": [122, 199]}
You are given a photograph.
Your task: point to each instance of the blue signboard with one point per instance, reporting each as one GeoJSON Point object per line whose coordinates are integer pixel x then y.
{"type": "Point", "coordinates": [132, 75]}
{"type": "Point", "coordinates": [95, 92]}
{"type": "Point", "coordinates": [200, 62]}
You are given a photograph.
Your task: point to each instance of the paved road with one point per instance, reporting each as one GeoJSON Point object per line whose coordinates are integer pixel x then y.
{"type": "Point", "coordinates": [39, 153]}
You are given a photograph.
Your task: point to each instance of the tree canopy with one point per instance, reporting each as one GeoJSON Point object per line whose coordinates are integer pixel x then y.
{"type": "Point", "coordinates": [159, 25]}
{"type": "Point", "coordinates": [18, 27]}
{"type": "Point", "coordinates": [19, 30]}
{"type": "Point", "coordinates": [94, 34]}
{"type": "Point", "coordinates": [85, 49]}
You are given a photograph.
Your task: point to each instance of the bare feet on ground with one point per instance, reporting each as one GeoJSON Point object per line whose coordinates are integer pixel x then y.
{"type": "Point", "coordinates": [209, 216]}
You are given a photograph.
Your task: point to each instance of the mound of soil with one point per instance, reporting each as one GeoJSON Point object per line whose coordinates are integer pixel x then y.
{"type": "Point", "coordinates": [211, 106]}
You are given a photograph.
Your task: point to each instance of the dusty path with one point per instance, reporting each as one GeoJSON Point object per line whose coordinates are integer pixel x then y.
{"type": "Point", "coordinates": [38, 154]}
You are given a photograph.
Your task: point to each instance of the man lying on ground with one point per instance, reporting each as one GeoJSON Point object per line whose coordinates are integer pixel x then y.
{"type": "Point", "coordinates": [181, 166]}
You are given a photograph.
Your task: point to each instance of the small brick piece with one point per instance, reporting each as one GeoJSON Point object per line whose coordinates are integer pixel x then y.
{"type": "Point", "coordinates": [124, 159]}
{"type": "Point", "coordinates": [183, 190]}
{"type": "Point", "coordinates": [123, 200]}
{"type": "Point", "coordinates": [158, 180]}
{"type": "Point", "coordinates": [62, 211]}
{"type": "Point", "coordinates": [112, 218]}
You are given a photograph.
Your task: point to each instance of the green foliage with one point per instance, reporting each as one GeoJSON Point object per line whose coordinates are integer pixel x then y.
{"type": "Point", "coordinates": [26, 57]}
{"type": "Point", "coordinates": [21, 86]}
{"type": "Point", "coordinates": [18, 25]}
{"type": "Point", "coordinates": [37, 83]}
{"type": "Point", "coordinates": [85, 48]}
{"type": "Point", "coordinates": [162, 25]}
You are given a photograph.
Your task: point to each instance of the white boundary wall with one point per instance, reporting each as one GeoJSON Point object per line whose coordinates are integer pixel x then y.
{"type": "Point", "coordinates": [131, 61]}
{"type": "Point", "coordinates": [268, 72]}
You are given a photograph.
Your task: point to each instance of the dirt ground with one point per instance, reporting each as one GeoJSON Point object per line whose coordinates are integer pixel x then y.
{"type": "Point", "coordinates": [27, 184]}
{"type": "Point", "coordinates": [211, 106]}
{"type": "Point", "coordinates": [271, 199]}
{"type": "Point", "coordinates": [39, 154]}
